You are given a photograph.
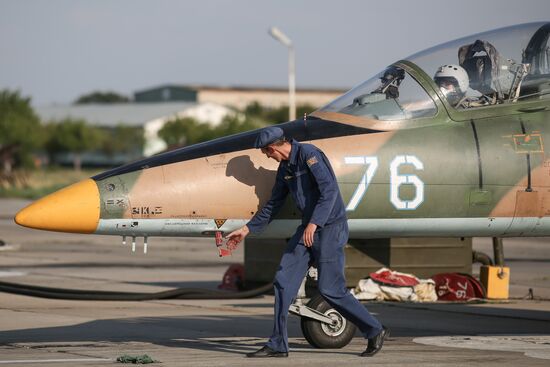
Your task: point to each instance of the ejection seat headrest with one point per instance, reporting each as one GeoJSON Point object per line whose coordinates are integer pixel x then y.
{"type": "Point", "coordinates": [481, 61]}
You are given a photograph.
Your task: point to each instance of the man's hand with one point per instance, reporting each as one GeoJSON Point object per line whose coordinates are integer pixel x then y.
{"type": "Point", "coordinates": [308, 234]}
{"type": "Point", "coordinates": [238, 235]}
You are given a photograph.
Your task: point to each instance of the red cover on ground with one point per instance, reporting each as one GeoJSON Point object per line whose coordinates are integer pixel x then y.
{"type": "Point", "coordinates": [393, 278]}
{"type": "Point", "coordinates": [457, 287]}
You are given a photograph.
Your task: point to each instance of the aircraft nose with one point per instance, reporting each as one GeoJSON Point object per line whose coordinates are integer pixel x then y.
{"type": "Point", "coordinates": [72, 209]}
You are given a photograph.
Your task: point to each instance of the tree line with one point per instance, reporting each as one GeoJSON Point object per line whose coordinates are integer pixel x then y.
{"type": "Point", "coordinates": [186, 131]}
{"type": "Point", "coordinates": [23, 136]}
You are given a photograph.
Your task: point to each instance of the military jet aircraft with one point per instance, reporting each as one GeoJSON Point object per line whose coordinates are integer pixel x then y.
{"type": "Point", "coordinates": [448, 142]}
{"type": "Point", "coordinates": [412, 159]}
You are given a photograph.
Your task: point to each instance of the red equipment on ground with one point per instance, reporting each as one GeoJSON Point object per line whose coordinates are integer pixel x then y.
{"type": "Point", "coordinates": [457, 287]}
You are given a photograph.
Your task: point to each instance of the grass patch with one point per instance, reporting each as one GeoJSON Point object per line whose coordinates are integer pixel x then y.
{"type": "Point", "coordinates": [33, 184]}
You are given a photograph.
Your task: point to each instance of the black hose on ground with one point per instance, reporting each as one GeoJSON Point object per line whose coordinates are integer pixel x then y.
{"type": "Point", "coordinates": [92, 295]}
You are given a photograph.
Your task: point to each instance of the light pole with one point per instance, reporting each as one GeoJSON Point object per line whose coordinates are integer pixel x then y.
{"type": "Point", "coordinates": [281, 37]}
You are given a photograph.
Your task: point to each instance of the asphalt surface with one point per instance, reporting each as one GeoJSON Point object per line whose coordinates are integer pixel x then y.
{"type": "Point", "coordinates": [37, 331]}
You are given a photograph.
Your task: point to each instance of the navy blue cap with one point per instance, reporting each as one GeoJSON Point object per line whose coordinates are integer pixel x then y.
{"type": "Point", "coordinates": [268, 135]}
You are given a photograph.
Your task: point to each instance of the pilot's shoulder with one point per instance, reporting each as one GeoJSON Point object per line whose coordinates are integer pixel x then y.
{"type": "Point", "coordinates": [309, 150]}
{"type": "Point", "coordinates": [311, 155]}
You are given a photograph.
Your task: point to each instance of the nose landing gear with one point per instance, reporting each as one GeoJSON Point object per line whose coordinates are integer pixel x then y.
{"type": "Point", "coordinates": [323, 326]}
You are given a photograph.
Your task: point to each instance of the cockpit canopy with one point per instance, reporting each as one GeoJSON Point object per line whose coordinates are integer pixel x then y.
{"type": "Point", "coordinates": [503, 66]}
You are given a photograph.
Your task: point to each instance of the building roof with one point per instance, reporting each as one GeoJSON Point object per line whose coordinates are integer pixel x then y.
{"type": "Point", "coordinates": [244, 88]}
{"type": "Point", "coordinates": [134, 114]}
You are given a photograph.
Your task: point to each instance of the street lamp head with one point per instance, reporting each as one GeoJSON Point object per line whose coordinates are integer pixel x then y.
{"type": "Point", "coordinates": [280, 36]}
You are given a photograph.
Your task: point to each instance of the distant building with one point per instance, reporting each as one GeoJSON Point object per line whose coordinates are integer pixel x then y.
{"type": "Point", "coordinates": [236, 97]}
{"type": "Point", "coordinates": [166, 93]}
{"type": "Point", "coordinates": [153, 107]}
{"type": "Point", "coordinates": [149, 116]}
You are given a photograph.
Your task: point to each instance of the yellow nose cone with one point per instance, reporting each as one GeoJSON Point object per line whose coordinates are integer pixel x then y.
{"type": "Point", "coordinates": [72, 209]}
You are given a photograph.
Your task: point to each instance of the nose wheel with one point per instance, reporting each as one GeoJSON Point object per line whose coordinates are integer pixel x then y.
{"type": "Point", "coordinates": [323, 326]}
{"type": "Point", "coordinates": [339, 325]}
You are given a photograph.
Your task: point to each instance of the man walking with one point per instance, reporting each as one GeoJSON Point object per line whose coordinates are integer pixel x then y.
{"type": "Point", "coordinates": [306, 173]}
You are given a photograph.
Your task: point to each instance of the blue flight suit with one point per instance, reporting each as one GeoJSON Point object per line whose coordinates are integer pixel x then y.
{"type": "Point", "coordinates": [309, 177]}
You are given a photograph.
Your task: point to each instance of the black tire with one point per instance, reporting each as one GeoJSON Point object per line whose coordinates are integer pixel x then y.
{"type": "Point", "coordinates": [324, 336]}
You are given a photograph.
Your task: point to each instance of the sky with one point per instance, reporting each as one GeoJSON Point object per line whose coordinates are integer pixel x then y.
{"type": "Point", "coordinates": [54, 51]}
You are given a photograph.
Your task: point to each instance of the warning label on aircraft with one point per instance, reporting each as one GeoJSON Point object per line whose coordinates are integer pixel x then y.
{"type": "Point", "coordinates": [146, 210]}
{"type": "Point", "coordinates": [116, 201]}
{"type": "Point", "coordinates": [528, 143]}
{"type": "Point", "coordinates": [219, 222]}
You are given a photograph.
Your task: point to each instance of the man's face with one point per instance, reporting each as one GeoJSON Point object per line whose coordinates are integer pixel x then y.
{"type": "Point", "coordinates": [271, 152]}
{"type": "Point", "coordinates": [447, 85]}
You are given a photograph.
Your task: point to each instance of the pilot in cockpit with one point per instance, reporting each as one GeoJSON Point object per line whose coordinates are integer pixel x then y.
{"type": "Point", "coordinates": [388, 89]}
{"type": "Point", "coordinates": [390, 81]}
{"type": "Point", "coordinates": [453, 82]}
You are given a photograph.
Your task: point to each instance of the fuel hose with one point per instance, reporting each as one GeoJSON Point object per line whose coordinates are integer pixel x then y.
{"type": "Point", "coordinates": [94, 295]}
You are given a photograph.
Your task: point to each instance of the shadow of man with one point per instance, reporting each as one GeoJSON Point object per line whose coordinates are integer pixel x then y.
{"type": "Point", "coordinates": [243, 170]}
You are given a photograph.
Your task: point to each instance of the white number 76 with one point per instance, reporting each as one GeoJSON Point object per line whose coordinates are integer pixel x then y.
{"type": "Point", "coordinates": [396, 180]}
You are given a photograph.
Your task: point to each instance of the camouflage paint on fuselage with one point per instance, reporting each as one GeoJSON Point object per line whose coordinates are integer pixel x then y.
{"type": "Point", "coordinates": [199, 189]}
{"type": "Point", "coordinates": [234, 185]}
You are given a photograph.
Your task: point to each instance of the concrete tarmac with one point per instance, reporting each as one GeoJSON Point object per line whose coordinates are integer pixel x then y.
{"type": "Point", "coordinates": [37, 331]}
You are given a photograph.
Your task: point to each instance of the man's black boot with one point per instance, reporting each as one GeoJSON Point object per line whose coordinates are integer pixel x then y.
{"type": "Point", "coordinates": [266, 352]}
{"type": "Point", "coordinates": [375, 344]}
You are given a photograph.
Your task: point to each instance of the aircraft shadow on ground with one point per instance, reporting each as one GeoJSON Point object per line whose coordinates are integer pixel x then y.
{"type": "Point", "coordinates": [241, 334]}
{"type": "Point", "coordinates": [233, 334]}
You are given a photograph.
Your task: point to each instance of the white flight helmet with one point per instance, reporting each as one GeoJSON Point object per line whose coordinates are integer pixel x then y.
{"type": "Point", "coordinates": [455, 72]}
{"type": "Point", "coordinates": [455, 75]}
